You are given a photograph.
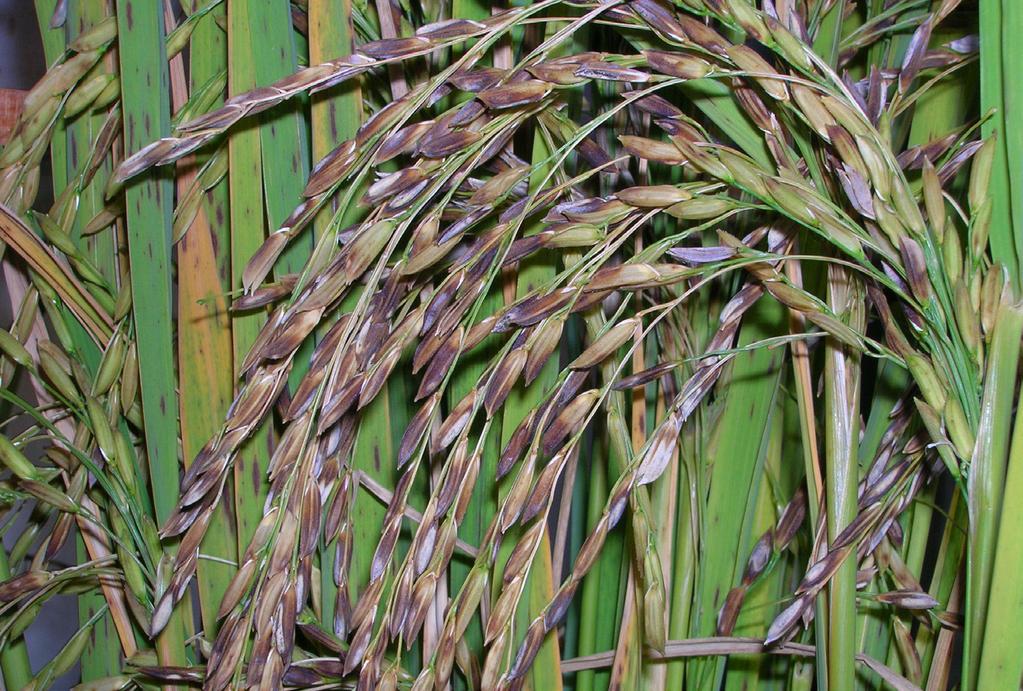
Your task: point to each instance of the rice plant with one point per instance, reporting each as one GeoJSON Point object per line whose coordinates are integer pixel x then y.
{"type": "Point", "coordinates": [582, 344]}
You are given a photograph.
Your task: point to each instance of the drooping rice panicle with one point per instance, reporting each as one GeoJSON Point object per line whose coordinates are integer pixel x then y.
{"type": "Point", "coordinates": [496, 393]}
{"type": "Point", "coordinates": [537, 585]}
{"type": "Point", "coordinates": [100, 658]}
{"type": "Point", "coordinates": [335, 117]}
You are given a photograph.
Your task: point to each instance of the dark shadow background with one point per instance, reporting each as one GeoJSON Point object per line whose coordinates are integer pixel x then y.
{"type": "Point", "coordinates": [21, 52]}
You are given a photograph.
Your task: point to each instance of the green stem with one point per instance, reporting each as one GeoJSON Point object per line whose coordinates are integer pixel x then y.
{"type": "Point", "coordinates": [248, 229]}
{"type": "Point", "coordinates": [14, 655]}
{"type": "Point", "coordinates": [841, 409]}
{"type": "Point", "coordinates": [1001, 665]}
{"type": "Point", "coordinates": [204, 326]}
{"type": "Point", "coordinates": [995, 93]}
{"type": "Point", "coordinates": [987, 477]}
{"type": "Point", "coordinates": [148, 203]}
